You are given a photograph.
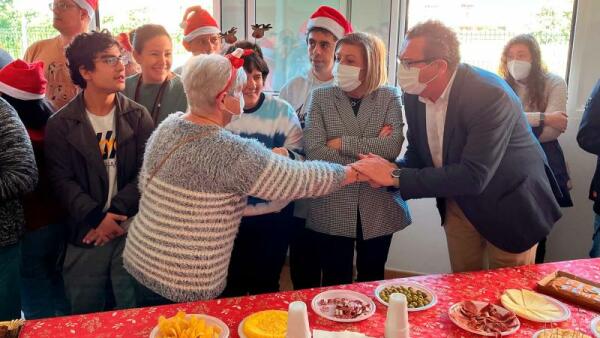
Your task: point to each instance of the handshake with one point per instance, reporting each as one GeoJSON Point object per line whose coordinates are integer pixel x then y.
{"type": "Point", "coordinates": [373, 169]}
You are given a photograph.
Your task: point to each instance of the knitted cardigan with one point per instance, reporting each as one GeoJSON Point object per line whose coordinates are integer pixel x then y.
{"type": "Point", "coordinates": [179, 244]}
{"type": "Point", "coordinates": [18, 173]}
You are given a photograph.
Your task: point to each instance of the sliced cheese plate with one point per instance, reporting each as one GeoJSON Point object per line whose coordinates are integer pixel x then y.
{"type": "Point", "coordinates": [534, 306]}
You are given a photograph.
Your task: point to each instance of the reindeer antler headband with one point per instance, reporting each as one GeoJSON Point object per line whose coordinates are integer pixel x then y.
{"type": "Point", "coordinates": [237, 62]}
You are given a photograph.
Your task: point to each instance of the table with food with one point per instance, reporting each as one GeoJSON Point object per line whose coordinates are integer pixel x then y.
{"type": "Point", "coordinates": [560, 299]}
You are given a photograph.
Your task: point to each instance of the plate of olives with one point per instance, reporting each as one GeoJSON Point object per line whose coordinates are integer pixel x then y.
{"type": "Point", "coordinates": [418, 297]}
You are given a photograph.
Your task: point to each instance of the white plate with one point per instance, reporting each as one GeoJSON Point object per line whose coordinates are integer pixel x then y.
{"type": "Point", "coordinates": [479, 305]}
{"type": "Point", "coordinates": [420, 287]}
{"type": "Point", "coordinates": [241, 329]}
{"type": "Point", "coordinates": [538, 333]}
{"type": "Point", "coordinates": [209, 320]}
{"type": "Point", "coordinates": [594, 326]}
{"type": "Point", "coordinates": [348, 294]}
{"type": "Point", "coordinates": [566, 312]}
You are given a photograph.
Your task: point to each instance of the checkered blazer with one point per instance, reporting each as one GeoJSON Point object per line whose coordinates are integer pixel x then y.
{"type": "Point", "coordinates": [330, 115]}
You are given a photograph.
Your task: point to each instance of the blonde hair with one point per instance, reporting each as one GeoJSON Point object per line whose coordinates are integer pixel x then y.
{"type": "Point", "coordinates": [375, 55]}
{"type": "Point", "coordinates": [205, 76]}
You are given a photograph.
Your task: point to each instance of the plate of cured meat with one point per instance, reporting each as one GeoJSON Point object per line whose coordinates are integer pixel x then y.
{"type": "Point", "coordinates": [343, 306]}
{"type": "Point", "coordinates": [484, 319]}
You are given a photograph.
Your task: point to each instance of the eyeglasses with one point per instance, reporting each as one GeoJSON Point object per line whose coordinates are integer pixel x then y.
{"type": "Point", "coordinates": [60, 6]}
{"type": "Point", "coordinates": [113, 60]}
{"type": "Point", "coordinates": [407, 63]}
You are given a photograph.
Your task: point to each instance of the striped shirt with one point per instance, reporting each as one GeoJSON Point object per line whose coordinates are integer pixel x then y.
{"type": "Point", "coordinates": [179, 244]}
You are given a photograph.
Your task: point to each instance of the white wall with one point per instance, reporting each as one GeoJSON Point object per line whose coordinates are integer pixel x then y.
{"type": "Point", "coordinates": [422, 246]}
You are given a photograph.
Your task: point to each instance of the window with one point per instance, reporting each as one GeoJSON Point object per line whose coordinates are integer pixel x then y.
{"type": "Point", "coordinates": [124, 16]}
{"type": "Point", "coordinates": [485, 26]}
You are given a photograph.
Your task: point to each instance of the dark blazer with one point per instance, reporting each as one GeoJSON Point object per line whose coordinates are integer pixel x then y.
{"type": "Point", "coordinates": [588, 138]}
{"type": "Point", "coordinates": [76, 169]}
{"type": "Point", "coordinates": [493, 166]}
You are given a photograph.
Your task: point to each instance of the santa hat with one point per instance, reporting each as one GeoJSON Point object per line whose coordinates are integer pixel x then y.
{"type": "Point", "coordinates": [196, 22]}
{"type": "Point", "coordinates": [330, 19]}
{"type": "Point", "coordinates": [23, 81]}
{"type": "Point", "coordinates": [90, 6]}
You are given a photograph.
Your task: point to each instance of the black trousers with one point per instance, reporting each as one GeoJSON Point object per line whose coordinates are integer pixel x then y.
{"type": "Point", "coordinates": [336, 257]}
{"type": "Point", "coordinates": [305, 267]}
{"type": "Point", "coordinates": [259, 252]}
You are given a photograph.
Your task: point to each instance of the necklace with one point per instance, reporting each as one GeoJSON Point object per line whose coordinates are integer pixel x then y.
{"type": "Point", "coordinates": [157, 99]}
{"type": "Point", "coordinates": [205, 119]}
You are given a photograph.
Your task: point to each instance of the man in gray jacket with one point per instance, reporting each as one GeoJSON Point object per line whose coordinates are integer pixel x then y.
{"type": "Point", "coordinates": [93, 178]}
{"type": "Point", "coordinates": [469, 146]}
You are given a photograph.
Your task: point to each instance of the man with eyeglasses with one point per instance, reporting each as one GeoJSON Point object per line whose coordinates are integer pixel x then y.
{"type": "Point", "coordinates": [201, 33]}
{"type": "Point", "coordinates": [469, 145]}
{"type": "Point", "coordinates": [94, 148]}
{"type": "Point", "coordinates": [70, 18]}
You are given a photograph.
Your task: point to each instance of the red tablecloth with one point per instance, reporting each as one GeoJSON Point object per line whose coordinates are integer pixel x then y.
{"type": "Point", "coordinates": [450, 288]}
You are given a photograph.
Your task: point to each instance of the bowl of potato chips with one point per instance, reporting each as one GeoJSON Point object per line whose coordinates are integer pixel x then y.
{"type": "Point", "coordinates": [184, 325]}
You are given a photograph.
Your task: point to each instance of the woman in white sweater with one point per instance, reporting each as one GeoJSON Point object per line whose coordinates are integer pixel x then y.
{"type": "Point", "coordinates": [195, 182]}
{"type": "Point", "coordinates": [544, 98]}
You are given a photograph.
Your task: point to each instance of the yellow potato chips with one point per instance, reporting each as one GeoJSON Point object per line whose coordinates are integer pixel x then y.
{"type": "Point", "coordinates": [186, 326]}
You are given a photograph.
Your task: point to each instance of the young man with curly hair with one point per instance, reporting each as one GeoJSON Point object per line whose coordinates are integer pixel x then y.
{"type": "Point", "coordinates": [94, 149]}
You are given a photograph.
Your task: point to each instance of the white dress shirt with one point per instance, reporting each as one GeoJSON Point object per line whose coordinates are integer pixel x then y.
{"type": "Point", "coordinates": [435, 118]}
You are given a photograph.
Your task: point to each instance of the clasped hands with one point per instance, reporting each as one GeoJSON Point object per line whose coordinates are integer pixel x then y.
{"type": "Point", "coordinates": [106, 231]}
{"type": "Point", "coordinates": [375, 170]}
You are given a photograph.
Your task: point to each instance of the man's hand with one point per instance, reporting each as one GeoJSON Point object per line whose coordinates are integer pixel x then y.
{"type": "Point", "coordinates": [377, 169]}
{"type": "Point", "coordinates": [92, 236]}
{"type": "Point", "coordinates": [557, 120]}
{"type": "Point", "coordinates": [108, 229]}
{"type": "Point", "coordinates": [281, 151]}
{"type": "Point", "coordinates": [335, 143]}
{"type": "Point", "coordinates": [386, 131]}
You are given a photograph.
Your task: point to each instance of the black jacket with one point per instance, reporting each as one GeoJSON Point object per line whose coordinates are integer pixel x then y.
{"type": "Point", "coordinates": [76, 169]}
{"type": "Point", "coordinates": [588, 138]}
{"type": "Point", "coordinates": [493, 166]}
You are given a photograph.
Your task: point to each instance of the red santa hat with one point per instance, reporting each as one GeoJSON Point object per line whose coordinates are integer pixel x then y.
{"type": "Point", "coordinates": [330, 19]}
{"type": "Point", "coordinates": [196, 22]}
{"type": "Point", "coordinates": [23, 81]}
{"type": "Point", "coordinates": [90, 6]}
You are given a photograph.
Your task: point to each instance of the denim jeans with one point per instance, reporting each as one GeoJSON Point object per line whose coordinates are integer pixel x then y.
{"type": "Point", "coordinates": [595, 251]}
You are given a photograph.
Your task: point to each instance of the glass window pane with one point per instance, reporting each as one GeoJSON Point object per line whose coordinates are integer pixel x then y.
{"type": "Point", "coordinates": [123, 16]}
{"type": "Point", "coordinates": [284, 46]}
{"type": "Point", "coordinates": [233, 15]}
{"type": "Point", "coordinates": [485, 26]}
{"type": "Point", "coordinates": [372, 17]}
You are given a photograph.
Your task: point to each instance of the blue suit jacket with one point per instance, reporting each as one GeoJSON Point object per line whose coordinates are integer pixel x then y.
{"type": "Point", "coordinates": [588, 138]}
{"type": "Point", "coordinates": [493, 166]}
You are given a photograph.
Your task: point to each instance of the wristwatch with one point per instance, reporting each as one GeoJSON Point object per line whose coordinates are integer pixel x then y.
{"type": "Point", "coordinates": [396, 175]}
{"type": "Point", "coordinates": [542, 117]}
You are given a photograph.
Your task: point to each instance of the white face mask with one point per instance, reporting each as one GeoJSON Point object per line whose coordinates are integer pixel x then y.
{"type": "Point", "coordinates": [346, 77]}
{"type": "Point", "coordinates": [408, 79]}
{"type": "Point", "coordinates": [240, 97]}
{"type": "Point", "coordinates": [519, 69]}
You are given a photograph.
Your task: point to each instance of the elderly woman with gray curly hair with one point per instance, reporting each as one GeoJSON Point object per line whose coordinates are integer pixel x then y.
{"type": "Point", "coordinates": [195, 181]}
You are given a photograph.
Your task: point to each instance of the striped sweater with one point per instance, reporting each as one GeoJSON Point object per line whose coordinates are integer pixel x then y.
{"type": "Point", "coordinates": [179, 244]}
{"type": "Point", "coordinates": [274, 124]}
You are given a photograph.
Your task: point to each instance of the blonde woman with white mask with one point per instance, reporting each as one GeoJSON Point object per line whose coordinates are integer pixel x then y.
{"type": "Point", "coordinates": [359, 114]}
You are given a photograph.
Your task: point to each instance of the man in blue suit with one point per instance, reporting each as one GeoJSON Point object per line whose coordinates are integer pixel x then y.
{"type": "Point", "coordinates": [469, 146]}
{"type": "Point", "coordinates": [588, 138]}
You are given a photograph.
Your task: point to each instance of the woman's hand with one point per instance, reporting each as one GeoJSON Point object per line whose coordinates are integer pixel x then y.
{"type": "Point", "coordinates": [281, 151]}
{"type": "Point", "coordinates": [557, 120]}
{"type": "Point", "coordinates": [386, 131]}
{"type": "Point", "coordinates": [335, 143]}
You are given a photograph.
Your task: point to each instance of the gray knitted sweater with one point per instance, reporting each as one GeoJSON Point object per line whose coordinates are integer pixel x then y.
{"type": "Point", "coordinates": [179, 244]}
{"type": "Point", "coordinates": [18, 173]}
